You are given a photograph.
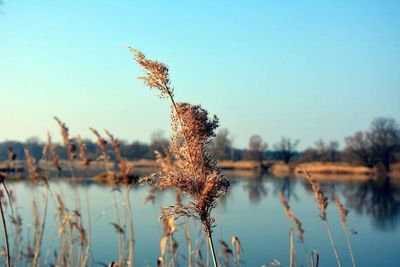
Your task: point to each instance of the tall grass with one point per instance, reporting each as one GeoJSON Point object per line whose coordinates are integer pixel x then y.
{"type": "Point", "coordinates": [187, 167]}
{"type": "Point", "coordinates": [194, 171]}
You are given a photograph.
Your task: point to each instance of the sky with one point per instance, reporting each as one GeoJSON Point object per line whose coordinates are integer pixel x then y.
{"type": "Point", "coordinates": [301, 69]}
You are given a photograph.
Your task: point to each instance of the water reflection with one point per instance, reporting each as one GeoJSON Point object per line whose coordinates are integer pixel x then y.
{"type": "Point", "coordinates": [378, 199]}
{"type": "Point", "coordinates": [256, 188]}
{"type": "Point", "coordinates": [286, 185]}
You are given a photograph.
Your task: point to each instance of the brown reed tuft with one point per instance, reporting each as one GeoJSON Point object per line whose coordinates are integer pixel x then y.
{"type": "Point", "coordinates": [194, 171]}
{"type": "Point", "coordinates": [33, 171]}
{"type": "Point", "coordinates": [290, 215]}
{"type": "Point", "coordinates": [322, 201]}
{"type": "Point", "coordinates": [49, 148]}
{"type": "Point", "coordinates": [101, 142]}
{"type": "Point", "coordinates": [342, 210]}
{"type": "Point", "coordinates": [319, 196]}
{"type": "Point", "coordinates": [83, 153]}
{"type": "Point", "coordinates": [69, 145]}
{"type": "Point", "coordinates": [122, 163]}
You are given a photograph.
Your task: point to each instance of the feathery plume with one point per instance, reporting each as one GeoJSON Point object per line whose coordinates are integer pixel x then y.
{"type": "Point", "coordinates": [290, 215]}
{"type": "Point", "coordinates": [194, 171]}
{"type": "Point", "coordinates": [319, 196]}
{"type": "Point", "coordinates": [342, 210]}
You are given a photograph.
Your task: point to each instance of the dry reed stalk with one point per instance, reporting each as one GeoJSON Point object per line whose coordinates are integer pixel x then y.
{"type": "Point", "coordinates": [169, 229]}
{"type": "Point", "coordinates": [237, 248]}
{"type": "Point", "coordinates": [292, 249]}
{"type": "Point", "coordinates": [299, 228]}
{"type": "Point", "coordinates": [226, 251]}
{"type": "Point", "coordinates": [131, 254]}
{"type": "Point", "coordinates": [195, 171]}
{"type": "Point", "coordinates": [122, 163]}
{"type": "Point", "coordinates": [101, 143]}
{"type": "Point", "coordinates": [290, 215]}
{"type": "Point", "coordinates": [83, 153]}
{"type": "Point", "coordinates": [322, 202]}
{"type": "Point", "coordinates": [33, 171]}
{"type": "Point", "coordinates": [5, 236]}
{"type": "Point", "coordinates": [49, 149]}
{"type": "Point", "coordinates": [343, 217]}
{"type": "Point", "coordinates": [69, 145]}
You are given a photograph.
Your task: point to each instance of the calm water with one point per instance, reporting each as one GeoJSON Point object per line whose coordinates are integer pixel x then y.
{"type": "Point", "coordinates": [252, 212]}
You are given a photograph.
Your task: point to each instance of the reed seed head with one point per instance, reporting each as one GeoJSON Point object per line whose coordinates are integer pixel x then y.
{"type": "Point", "coordinates": [319, 196]}
{"type": "Point", "coordinates": [157, 73]}
{"type": "Point", "coordinates": [193, 170]}
{"type": "Point", "coordinates": [342, 210]}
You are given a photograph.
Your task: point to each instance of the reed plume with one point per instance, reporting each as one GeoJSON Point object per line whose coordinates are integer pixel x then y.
{"type": "Point", "coordinates": [69, 145]}
{"type": "Point", "coordinates": [322, 202]}
{"type": "Point", "coordinates": [49, 149]}
{"type": "Point", "coordinates": [83, 153]}
{"type": "Point", "coordinates": [101, 143]}
{"type": "Point", "coordinates": [124, 169]}
{"type": "Point", "coordinates": [34, 173]}
{"type": "Point", "coordinates": [290, 215]}
{"type": "Point", "coordinates": [195, 171]}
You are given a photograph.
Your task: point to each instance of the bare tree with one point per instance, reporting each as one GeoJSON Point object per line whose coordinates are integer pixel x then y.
{"type": "Point", "coordinates": [286, 148]}
{"type": "Point", "coordinates": [378, 145]}
{"type": "Point", "coordinates": [257, 148]}
{"type": "Point", "coordinates": [221, 146]}
{"type": "Point", "coordinates": [385, 140]}
{"type": "Point", "coordinates": [327, 152]}
{"type": "Point", "coordinates": [360, 148]}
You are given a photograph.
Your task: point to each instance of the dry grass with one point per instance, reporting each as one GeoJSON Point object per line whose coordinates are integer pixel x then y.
{"type": "Point", "coordinates": [194, 171]}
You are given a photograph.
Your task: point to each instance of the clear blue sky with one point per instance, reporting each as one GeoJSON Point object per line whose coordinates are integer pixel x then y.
{"type": "Point", "coordinates": [302, 69]}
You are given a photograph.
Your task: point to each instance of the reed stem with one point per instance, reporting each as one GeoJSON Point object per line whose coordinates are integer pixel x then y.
{"type": "Point", "coordinates": [210, 242]}
{"type": "Point", "coordinates": [5, 235]}
{"type": "Point", "coordinates": [291, 247]}
{"type": "Point", "coordinates": [346, 232]}
{"type": "Point", "coordinates": [332, 243]}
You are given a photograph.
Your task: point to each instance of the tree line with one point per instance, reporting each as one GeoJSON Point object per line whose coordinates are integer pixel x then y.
{"type": "Point", "coordinates": [377, 146]}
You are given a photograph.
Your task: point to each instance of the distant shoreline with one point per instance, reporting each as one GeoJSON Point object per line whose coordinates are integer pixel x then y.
{"type": "Point", "coordinates": [321, 170]}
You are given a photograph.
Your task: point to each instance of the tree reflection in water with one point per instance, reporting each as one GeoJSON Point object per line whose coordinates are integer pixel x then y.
{"type": "Point", "coordinates": [287, 186]}
{"type": "Point", "coordinates": [256, 188]}
{"type": "Point", "coordinates": [378, 199]}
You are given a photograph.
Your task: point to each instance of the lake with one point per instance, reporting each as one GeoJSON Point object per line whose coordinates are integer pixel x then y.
{"type": "Point", "coordinates": [251, 211]}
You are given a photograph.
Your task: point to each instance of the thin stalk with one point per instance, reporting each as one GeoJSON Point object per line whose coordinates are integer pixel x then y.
{"type": "Point", "coordinates": [89, 240]}
{"type": "Point", "coordinates": [332, 243]}
{"type": "Point", "coordinates": [189, 242]}
{"type": "Point", "coordinates": [39, 245]}
{"type": "Point", "coordinates": [306, 253]}
{"type": "Point", "coordinates": [172, 252]}
{"type": "Point", "coordinates": [131, 232]}
{"type": "Point", "coordinates": [5, 235]}
{"type": "Point", "coordinates": [349, 245]}
{"type": "Point", "coordinates": [292, 253]}
{"type": "Point", "coordinates": [210, 242]}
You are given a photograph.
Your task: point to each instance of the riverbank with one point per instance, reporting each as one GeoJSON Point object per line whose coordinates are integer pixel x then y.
{"type": "Point", "coordinates": [321, 170]}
